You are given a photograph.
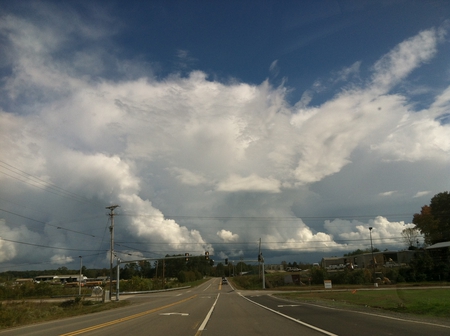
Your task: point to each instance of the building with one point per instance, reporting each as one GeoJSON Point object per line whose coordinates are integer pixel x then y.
{"type": "Point", "coordinates": [59, 278]}
{"type": "Point", "coordinates": [440, 252]}
{"type": "Point", "coordinates": [384, 258]}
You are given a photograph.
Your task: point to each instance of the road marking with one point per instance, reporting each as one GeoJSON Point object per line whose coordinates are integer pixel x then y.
{"type": "Point", "coordinates": [168, 314]}
{"type": "Point", "coordinates": [281, 306]}
{"type": "Point", "coordinates": [290, 318]}
{"type": "Point", "coordinates": [205, 321]}
{"type": "Point", "coordinates": [380, 316]}
{"type": "Point", "coordinates": [99, 326]}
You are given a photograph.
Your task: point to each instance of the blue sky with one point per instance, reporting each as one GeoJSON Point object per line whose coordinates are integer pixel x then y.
{"type": "Point", "coordinates": [216, 124]}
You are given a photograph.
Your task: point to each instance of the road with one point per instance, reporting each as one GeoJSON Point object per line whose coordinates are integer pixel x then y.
{"type": "Point", "coordinates": [213, 309]}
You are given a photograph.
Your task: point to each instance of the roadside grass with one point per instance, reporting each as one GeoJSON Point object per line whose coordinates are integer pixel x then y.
{"type": "Point", "coordinates": [13, 314]}
{"type": "Point", "coordinates": [425, 302]}
{"type": "Point", "coordinates": [30, 310]}
{"type": "Point", "coordinates": [195, 283]}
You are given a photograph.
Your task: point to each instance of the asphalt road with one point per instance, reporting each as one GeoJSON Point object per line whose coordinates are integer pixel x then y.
{"type": "Point", "coordinates": [213, 309]}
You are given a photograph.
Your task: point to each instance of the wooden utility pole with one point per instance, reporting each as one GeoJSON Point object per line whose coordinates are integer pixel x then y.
{"type": "Point", "coordinates": [111, 230]}
{"type": "Point", "coordinates": [163, 274]}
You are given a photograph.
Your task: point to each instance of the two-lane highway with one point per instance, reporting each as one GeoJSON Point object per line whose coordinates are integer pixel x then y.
{"type": "Point", "coordinates": [213, 309]}
{"type": "Point", "coordinates": [235, 315]}
{"type": "Point", "coordinates": [164, 313]}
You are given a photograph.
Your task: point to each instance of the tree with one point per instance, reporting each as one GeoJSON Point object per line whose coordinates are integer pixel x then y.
{"type": "Point", "coordinates": [359, 251]}
{"type": "Point", "coordinates": [434, 220]}
{"type": "Point", "coordinates": [145, 268]}
{"type": "Point", "coordinates": [220, 269]}
{"type": "Point", "coordinates": [62, 270]}
{"type": "Point", "coordinates": [410, 236]}
{"type": "Point", "coordinates": [129, 271]}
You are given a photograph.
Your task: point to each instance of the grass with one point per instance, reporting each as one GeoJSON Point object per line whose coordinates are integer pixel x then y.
{"type": "Point", "coordinates": [425, 302]}
{"type": "Point", "coordinates": [13, 314]}
{"type": "Point", "coordinates": [17, 313]}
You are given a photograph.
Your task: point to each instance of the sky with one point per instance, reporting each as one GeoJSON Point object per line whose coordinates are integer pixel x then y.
{"type": "Point", "coordinates": [219, 126]}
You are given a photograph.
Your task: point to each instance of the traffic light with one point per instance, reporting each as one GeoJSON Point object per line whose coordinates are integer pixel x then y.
{"type": "Point", "coordinates": [206, 255]}
{"type": "Point", "coordinates": [186, 256]}
{"type": "Point", "coordinates": [226, 261]}
{"type": "Point", "coordinates": [211, 262]}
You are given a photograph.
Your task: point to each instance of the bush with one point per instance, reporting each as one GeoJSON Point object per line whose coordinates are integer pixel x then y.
{"type": "Point", "coordinates": [198, 275]}
{"type": "Point", "coordinates": [248, 281]}
{"type": "Point", "coordinates": [318, 275]}
{"type": "Point", "coordinates": [356, 277]}
{"type": "Point", "coordinates": [182, 277]}
{"type": "Point", "coordinates": [136, 284]}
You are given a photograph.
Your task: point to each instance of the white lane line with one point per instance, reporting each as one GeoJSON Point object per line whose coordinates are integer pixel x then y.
{"type": "Point", "coordinates": [207, 287]}
{"type": "Point", "coordinates": [378, 315]}
{"type": "Point", "coordinates": [205, 321]}
{"type": "Point", "coordinates": [281, 306]}
{"type": "Point", "coordinates": [168, 314]}
{"type": "Point", "coordinates": [290, 318]}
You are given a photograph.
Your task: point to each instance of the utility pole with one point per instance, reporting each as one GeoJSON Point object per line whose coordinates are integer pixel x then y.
{"type": "Point", "coordinates": [79, 279]}
{"type": "Point", "coordinates": [373, 259]}
{"type": "Point", "coordinates": [117, 279]}
{"type": "Point", "coordinates": [261, 265]}
{"type": "Point", "coordinates": [259, 258]}
{"type": "Point", "coordinates": [111, 230]}
{"type": "Point", "coordinates": [163, 274]}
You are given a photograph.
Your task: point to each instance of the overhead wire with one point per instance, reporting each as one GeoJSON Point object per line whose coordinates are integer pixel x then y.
{"type": "Point", "coordinates": [54, 189]}
{"type": "Point", "coordinates": [261, 218]}
{"type": "Point", "coordinates": [39, 183]}
{"type": "Point", "coordinates": [44, 223]}
{"type": "Point", "coordinates": [46, 246]}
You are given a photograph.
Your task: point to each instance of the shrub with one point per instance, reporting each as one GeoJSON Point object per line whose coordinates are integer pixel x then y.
{"type": "Point", "coordinates": [182, 277]}
{"type": "Point", "coordinates": [136, 284]}
{"type": "Point", "coordinates": [317, 275]}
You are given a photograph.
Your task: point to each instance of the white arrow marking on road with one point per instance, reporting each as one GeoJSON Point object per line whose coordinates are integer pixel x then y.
{"type": "Point", "coordinates": [167, 314]}
{"type": "Point", "coordinates": [280, 306]}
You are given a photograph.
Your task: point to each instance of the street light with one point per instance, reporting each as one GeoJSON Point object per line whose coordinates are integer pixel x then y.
{"type": "Point", "coordinates": [79, 280]}
{"type": "Point", "coordinates": [371, 248]}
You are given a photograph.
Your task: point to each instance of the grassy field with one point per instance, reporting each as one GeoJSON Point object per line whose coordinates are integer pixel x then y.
{"type": "Point", "coordinates": [17, 313]}
{"type": "Point", "coordinates": [14, 313]}
{"type": "Point", "coordinates": [425, 302]}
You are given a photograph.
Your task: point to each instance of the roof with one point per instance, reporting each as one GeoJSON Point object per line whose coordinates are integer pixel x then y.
{"type": "Point", "coordinates": [439, 245]}
{"type": "Point", "coordinates": [334, 258]}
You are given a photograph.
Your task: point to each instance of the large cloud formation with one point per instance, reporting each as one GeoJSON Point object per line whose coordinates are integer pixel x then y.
{"type": "Point", "coordinates": [188, 159]}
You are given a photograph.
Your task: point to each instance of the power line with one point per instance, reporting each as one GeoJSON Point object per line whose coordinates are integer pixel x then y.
{"type": "Point", "coordinates": [46, 246]}
{"type": "Point", "coordinates": [36, 182]}
{"type": "Point", "coordinates": [265, 242]}
{"type": "Point", "coordinates": [44, 223]}
{"type": "Point", "coordinates": [261, 218]}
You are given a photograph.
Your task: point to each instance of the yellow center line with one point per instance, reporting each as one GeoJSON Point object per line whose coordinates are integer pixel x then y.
{"type": "Point", "coordinates": [99, 326]}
